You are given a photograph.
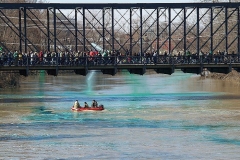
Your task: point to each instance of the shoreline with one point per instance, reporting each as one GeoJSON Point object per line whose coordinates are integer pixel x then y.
{"type": "Point", "coordinates": [232, 76]}
{"type": "Point", "coordinates": [9, 80]}
{"type": "Point", "coordinates": [13, 79]}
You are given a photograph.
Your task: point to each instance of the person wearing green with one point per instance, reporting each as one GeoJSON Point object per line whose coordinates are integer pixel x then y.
{"type": "Point", "coordinates": [15, 56]}
{"type": "Point", "coordinates": [188, 54]}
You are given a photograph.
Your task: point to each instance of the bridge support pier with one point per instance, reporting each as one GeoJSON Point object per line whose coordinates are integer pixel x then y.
{"type": "Point", "coordinates": [23, 72]}
{"type": "Point", "coordinates": [82, 72]}
{"type": "Point", "coordinates": [140, 71]}
{"type": "Point", "coordinates": [237, 69]}
{"type": "Point", "coordinates": [225, 70]}
{"type": "Point", "coordinates": [109, 71]}
{"type": "Point", "coordinates": [197, 70]}
{"type": "Point", "coordinates": [165, 70]}
{"type": "Point", "coordinates": [53, 72]}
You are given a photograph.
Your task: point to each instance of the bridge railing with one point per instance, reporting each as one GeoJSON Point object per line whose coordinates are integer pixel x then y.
{"type": "Point", "coordinates": [119, 60]}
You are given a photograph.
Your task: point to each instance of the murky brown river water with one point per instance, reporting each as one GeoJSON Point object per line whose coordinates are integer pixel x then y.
{"type": "Point", "coordinates": [153, 116]}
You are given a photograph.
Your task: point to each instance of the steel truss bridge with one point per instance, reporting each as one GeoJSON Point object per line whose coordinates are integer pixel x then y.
{"type": "Point", "coordinates": [175, 29]}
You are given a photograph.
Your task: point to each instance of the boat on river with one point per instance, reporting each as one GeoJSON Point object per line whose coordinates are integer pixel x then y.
{"type": "Point", "coordinates": [99, 108]}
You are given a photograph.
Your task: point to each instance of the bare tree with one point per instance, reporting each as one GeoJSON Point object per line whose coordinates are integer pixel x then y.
{"type": "Point", "coordinates": [9, 26]}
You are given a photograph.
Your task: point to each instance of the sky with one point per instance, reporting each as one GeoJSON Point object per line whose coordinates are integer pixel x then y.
{"type": "Point", "coordinates": [121, 1]}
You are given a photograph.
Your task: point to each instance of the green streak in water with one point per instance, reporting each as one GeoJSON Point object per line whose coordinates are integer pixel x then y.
{"type": "Point", "coordinates": [41, 83]}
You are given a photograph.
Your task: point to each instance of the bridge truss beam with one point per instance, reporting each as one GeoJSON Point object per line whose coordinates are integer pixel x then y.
{"type": "Point", "coordinates": [128, 28]}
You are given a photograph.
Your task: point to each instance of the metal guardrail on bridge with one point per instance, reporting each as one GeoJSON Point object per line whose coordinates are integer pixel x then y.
{"type": "Point", "coordinates": [134, 64]}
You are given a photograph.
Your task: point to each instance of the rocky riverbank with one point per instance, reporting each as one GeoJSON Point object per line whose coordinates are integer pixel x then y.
{"type": "Point", "coordinates": [9, 80]}
{"type": "Point", "coordinates": [13, 79]}
{"type": "Point", "coordinates": [233, 76]}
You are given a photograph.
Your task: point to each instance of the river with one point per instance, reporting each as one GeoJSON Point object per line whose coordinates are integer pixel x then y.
{"type": "Point", "coordinates": [154, 116]}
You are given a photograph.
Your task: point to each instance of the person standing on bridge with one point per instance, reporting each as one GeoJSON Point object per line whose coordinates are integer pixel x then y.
{"type": "Point", "coordinates": [155, 57]}
{"type": "Point", "coordinates": [10, 58]}
{"type": "Point", "coordinates": [32, 58]}
{"type": "Point", "coordinates": [15, 56]}
{"type": "Point", "coordinates": [188, 54]}
{"type": "Point", "coordinates": [20, 58]}
{"type": "Point", "coordinates": [40, 56]}
{"type": "Point", "coordinates": [1, 58]}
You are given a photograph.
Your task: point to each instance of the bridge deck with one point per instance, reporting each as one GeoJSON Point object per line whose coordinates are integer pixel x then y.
{"type": "Point", "coordinates": [138, 65]}
{"type": "Point", "coordinates": [118, 66]}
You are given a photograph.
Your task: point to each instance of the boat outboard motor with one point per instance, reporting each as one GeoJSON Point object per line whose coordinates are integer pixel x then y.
{"type": "Point", "coordinates": [101, 106]}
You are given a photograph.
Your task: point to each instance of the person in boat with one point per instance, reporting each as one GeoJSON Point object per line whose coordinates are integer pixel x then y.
{"type": "Point", "coordinates": [76, 104]}
{"type": "Point", "coordinates": [94, 104]}
{"type": "Point", "coordinates": [86, 105]}
{"type": "Point", "coordinates": [101, 106]}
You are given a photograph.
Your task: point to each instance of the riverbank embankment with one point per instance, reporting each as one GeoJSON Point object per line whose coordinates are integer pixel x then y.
{"type": "Point", "coordinates": [233, 76]}
{"type": "Point", "coordinates": [9, 79]}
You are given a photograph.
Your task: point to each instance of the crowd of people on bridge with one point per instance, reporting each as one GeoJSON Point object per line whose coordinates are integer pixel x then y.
{"type": "Point", "coordinates": [17, 58]}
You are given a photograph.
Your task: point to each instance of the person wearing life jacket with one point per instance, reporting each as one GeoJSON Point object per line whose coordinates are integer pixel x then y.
{"type": "Point", "coordinates": [86, 105]}
{"type": "Point", "coordinates": [76, 105]}
{"type": "Point", "coordinates": [94, 104]}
